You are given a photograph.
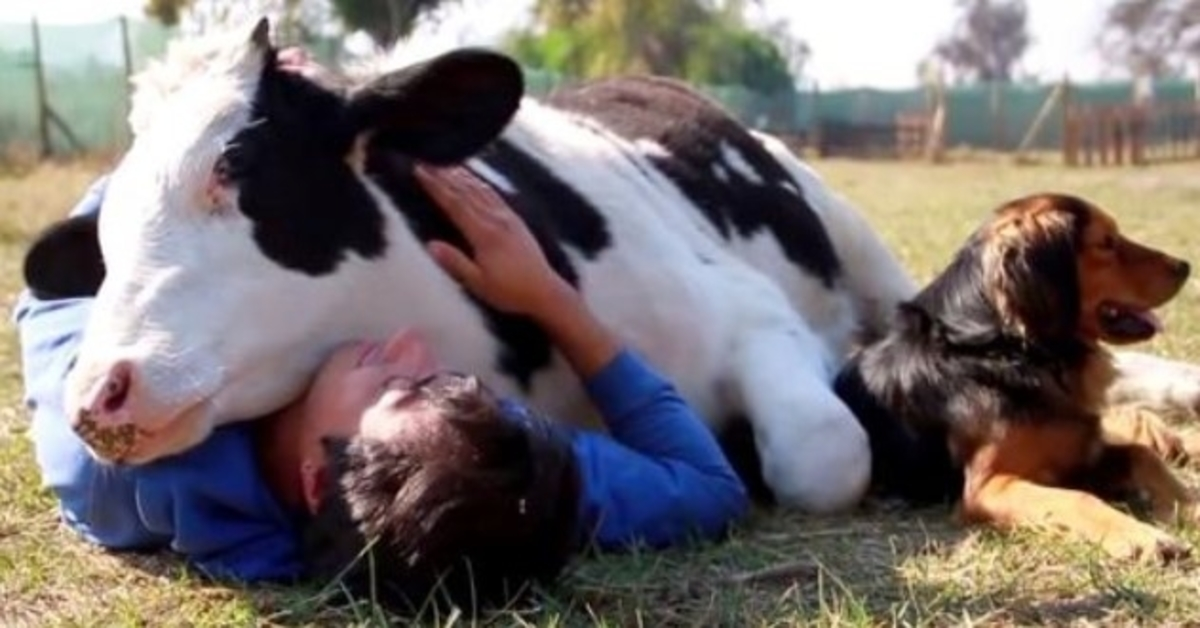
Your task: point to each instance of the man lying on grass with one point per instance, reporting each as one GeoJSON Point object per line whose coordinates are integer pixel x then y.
{"type": "Point", "coordinates": [394, 471]}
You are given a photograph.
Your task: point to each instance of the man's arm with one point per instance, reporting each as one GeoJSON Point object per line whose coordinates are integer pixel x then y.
{"type": "Point", "coordinates": [663, 478]}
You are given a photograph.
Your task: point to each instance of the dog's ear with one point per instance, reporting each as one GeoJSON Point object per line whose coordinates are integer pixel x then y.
{"type": "Point", "coordinates": [1030, 265]}
{"type": "Point", "coordinates": [955, 308]}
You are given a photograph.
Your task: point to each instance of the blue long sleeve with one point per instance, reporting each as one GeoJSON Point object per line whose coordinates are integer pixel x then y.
{"type": "Point", "coordinates": [661, 478]}
{"type": "Point", "coordinates": [209, 504]}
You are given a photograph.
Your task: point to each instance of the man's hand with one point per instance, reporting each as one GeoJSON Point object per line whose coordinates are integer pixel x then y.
{"type": "Point", "coordinates": [508, 269]}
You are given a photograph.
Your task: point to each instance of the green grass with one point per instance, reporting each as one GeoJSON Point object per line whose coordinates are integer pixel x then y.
{"type": "Point", "coordinates": [882, 565]}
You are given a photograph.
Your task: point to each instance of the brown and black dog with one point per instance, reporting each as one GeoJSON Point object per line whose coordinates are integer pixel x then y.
{"type": "Point", "coordinates": [989, 387]}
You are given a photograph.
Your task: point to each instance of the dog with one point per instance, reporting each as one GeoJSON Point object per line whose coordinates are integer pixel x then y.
{"type": "Point", "coordinates": [988, 389]}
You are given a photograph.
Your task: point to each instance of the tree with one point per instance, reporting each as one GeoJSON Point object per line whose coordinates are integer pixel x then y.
{"type": "Point", "coordinates": [988, 41]}
{"type": "Point", "coordinates": [293, 21]}
{"type": "Point", "coordinates": [384, 21]}
{"type": "Point", "coordinates": [699, 40]}
{"type": "Point", "coordinates": [1151, 38]}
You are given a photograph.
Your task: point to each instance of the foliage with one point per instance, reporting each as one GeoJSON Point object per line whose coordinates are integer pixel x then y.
{"type": "Point", "coordinates": [299, 20]}
{"type": "Point", "coordinates": [691, 39]}
{"type": "Point", "coordinates": [988, 41]}
{"type": "Point", "coordinates": [1153, 38]}
{"type": "Point", "coordinates": [166, 11]}
{"type": "Point", "coordinates": [385, 20]}
{"type": "Point", "coordinates": [294, 21]}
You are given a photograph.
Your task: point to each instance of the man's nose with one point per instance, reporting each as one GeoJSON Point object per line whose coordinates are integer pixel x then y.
{"type": "Point", "coordinates": [407, 350]}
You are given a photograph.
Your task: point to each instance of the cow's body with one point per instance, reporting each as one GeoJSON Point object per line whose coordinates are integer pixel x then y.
{"type": "Point", "coordinates": [711, 250]}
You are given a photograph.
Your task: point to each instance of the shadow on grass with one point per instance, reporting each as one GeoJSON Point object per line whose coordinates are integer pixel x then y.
{"type": "Point", "coordinates": [777, 567]}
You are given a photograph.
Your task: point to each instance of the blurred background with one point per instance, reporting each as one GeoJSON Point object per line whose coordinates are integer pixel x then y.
{"type": "Point", "coordinates": [1084, 81]}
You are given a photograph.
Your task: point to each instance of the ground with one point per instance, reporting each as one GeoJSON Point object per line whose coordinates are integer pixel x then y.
{"type": "Point", "coordinates": [881, 566]}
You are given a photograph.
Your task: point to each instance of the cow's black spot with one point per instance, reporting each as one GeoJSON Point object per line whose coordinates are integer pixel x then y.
{"type": "Point", "coordinates": [543, 199]}
{"type": "Point", "coordinates": [737, 441]}
{"type": "Point", "coordinates": [525, 346]}
{"type": "Point", "coordinates": [693, 129]}
{"type": "Point", "coordinates": [307, 207]}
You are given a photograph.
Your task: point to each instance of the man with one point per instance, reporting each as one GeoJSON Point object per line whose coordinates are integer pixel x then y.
{"type": "Point", "coordinates": [397, 473]}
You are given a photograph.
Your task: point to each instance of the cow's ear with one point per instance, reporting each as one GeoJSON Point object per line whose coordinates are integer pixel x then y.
{"type": "Point", "coordinates": [64, 260]}
{"type": "Point", "coordinates": [442, 110]}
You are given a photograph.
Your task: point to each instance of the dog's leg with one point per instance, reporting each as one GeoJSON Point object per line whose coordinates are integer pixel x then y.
{"type": "Point", "coordinates": [813, 453]}
{"type": "Point", "coordinates": [1137, 468]}
{"type": "Point", "coordinates": [1008, 501]}
{"type": "Point", "coordinates": [1129, 424]}
{"type": "Point", "coordinates": [1010, 484]}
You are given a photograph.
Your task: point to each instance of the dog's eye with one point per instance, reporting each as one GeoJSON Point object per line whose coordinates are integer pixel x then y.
{"type": "Point", "coordinates": [1109, 243]}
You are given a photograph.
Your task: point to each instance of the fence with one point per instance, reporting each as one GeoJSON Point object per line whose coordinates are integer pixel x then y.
{"type": "Point", "coordinates": [1131, 134]}
{"type": "Point", "coordinates": [64, 88]}
{"type": "Point", "coordinates": [84, 70]}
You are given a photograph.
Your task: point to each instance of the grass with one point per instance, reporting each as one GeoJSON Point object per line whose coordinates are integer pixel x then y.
{"type": "Point", "coordinates": [880, 566]}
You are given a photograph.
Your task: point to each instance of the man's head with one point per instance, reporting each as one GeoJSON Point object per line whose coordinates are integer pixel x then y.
{"type": "Point", "coordinates": [420, 483]}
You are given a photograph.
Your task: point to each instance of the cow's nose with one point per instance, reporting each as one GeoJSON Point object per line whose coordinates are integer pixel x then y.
{"type": "Point", "coordinates": [108, 402]}
{"type": "Point", "coordinates": [105, 422]}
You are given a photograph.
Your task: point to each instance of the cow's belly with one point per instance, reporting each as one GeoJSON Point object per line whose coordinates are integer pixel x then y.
{"type": "Point", "coordinates": [829, 311]}
{"type": "Point", "coordinates": [685, 317]}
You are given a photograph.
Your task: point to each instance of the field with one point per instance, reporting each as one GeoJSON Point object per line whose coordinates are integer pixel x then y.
{"type": "Point", "coordinates": [881, 566]}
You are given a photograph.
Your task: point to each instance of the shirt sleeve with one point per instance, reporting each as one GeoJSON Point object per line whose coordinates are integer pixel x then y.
{"type": "Point", "coordinates": [661, 478]}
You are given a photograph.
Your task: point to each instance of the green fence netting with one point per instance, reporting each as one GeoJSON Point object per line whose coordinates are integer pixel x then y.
{"type": "Point", "coordinates": [87, 88]}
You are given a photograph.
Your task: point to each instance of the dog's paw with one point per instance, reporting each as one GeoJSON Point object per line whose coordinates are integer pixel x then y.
{"type": "Point", "coordinates": [1146, 543]}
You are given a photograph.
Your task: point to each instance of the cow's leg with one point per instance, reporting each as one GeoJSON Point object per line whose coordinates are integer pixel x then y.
{"type": "Point", "coordinates": [1164, 385]}
{"type": "Point", "coordinates": [814, 455]}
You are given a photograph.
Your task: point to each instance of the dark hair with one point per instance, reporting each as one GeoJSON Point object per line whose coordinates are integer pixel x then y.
{"type": "Point", "coordinates": [467, 516]}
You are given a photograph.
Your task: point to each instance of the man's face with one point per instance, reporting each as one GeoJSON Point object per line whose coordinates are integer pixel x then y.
{"type": "Point", "coordinates": [364, 389]}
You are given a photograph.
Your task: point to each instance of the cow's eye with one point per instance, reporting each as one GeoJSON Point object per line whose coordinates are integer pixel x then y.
{"type": "Point", "coordinates": [232, 166]}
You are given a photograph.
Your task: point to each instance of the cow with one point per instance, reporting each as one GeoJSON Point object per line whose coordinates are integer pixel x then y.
{"type": "Point", "coordinates": [263, 216]}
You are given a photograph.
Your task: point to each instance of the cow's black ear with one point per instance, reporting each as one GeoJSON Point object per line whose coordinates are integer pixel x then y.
{"type": "Point", "coordinates": [443, 110]}
{"type": "Point", "coordinates": [64, 260]}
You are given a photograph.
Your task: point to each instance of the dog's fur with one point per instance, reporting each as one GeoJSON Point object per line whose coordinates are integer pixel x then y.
{"type": "Point", "coordinates": [989, 387]}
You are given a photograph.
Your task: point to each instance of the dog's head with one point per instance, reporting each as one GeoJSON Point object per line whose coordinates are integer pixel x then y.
{"type": "Point", "coordinates": [1056, 267]}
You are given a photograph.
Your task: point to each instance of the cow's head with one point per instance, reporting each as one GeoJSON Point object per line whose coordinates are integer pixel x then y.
{"type": "Point", "coordinates": [235, 227]}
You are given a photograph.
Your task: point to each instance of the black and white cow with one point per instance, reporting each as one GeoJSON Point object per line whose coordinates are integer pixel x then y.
{"type": "Point", "coordinates": [261, 217]}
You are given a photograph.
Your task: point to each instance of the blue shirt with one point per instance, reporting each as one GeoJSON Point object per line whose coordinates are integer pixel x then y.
{"type": "Point", "coordinates": [660, 479]}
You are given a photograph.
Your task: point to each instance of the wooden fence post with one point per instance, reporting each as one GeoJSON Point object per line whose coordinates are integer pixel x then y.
{"type": "Point", "coordinates": [39, 78]}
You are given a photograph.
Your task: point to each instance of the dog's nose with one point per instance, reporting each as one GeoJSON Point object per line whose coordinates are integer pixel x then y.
{"type": "Point", "coordinates": [1182, 269]}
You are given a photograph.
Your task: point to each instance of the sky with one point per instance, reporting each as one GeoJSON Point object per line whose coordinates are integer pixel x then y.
{"type": "Point", "coordinates": [875, 43]}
